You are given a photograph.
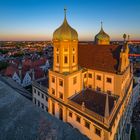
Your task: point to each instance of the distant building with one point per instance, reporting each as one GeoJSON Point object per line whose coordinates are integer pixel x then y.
{"type": "Point", "coordinates": [40, 93]}
{"type": "Point", "coordinates": [27, 71]}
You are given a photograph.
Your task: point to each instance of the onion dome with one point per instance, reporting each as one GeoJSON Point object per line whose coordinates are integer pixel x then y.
{"type": "Point", "coordinates": [102, 38]}
{"type": "Point", "coordinates": [65, 31]}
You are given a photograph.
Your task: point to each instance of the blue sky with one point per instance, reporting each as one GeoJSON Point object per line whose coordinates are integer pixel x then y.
{"type": "Point", "coordinates": [37, 19]}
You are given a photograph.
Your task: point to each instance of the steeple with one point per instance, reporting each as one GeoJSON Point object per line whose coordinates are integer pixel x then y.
{"type": "Point", "coordinates": [106, 106]}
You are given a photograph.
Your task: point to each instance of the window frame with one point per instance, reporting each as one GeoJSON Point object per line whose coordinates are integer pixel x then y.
{"type": "Point", "coordinates": [98, 131]}
{"type": "Point", "coordinates": [98, 77]}
{"type": "Point", "coordinates": [60, 82]}
{"type": "Point", "coordinates": [87, 124]}
{"type": "Point", "coordinates": [110, 80]}
{"type": "Point", "coordinates": [78, 119]}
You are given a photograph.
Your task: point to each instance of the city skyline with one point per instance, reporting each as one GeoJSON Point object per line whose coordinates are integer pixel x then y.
{"type": "Point", "coordinates": [37, 20]}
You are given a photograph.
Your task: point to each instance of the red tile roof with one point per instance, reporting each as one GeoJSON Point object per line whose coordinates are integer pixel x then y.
{"type": "Point", "coordinates": [10, 70]}
{"type": "Point", "coordinates": [99, 57]}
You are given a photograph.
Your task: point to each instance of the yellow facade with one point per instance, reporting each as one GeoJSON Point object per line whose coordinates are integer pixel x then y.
{"type": "Point", "coordinates": [67, 80]}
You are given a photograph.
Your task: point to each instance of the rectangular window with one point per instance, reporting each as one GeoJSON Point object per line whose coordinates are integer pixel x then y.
{"type": "Point", "coordinates": [53, 108]}
{"type": "Point", "coordinates": [73, 49]}
{"type": "Point", "coordinates": [74, 80]}
{"type": "Point", "coordinates": [85, 75]}
{"type": "Point", "coordinates": [42, 105]}
{"type": "Point", "coordinates": [98, 77]}
{"type": "Point", "coordinates": [57, 59]}
{"type": "Point", "coordinates": [108, 80]}
{"type": "Point", "coordinates": [90, 75]}
{"type": "Point", "coordinates": [73, 59]}
{"type": "Point", "coordinates": [87, 124]}
{"type": "Point", "coordinates": [70, 114]}
{"type": "Point", "coordinates": [78, 119]}
{"type": "Point", "coordinates": [43, 96]}
{"type": "Point", "coordinates": [38, 103]}
{"type": "Point", "coordinates": [65, 59]}
{"type": "Point", "coordinates": [60, 95]}
{"type": "Point", "coordinates": [61, 83]}
{"type": "Point", "coordinates": [53, 80]}
{"type": "Point", "coordinates": [34, 90]}
{"type": "Point", "coordinates": [98, 131]}
{"type": "Point", "coordinates": [38, 93]}
{"type": "Point", "coordinates": [53, 91]}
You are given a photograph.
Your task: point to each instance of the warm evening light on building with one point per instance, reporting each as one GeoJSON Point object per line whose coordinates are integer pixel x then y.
{"type": "Point", "coordinates": [69, 70]}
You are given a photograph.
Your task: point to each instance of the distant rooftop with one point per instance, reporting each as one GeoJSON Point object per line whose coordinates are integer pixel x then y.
{"type": "Point", "coordinates": [94, 101]}
{"type": "Point", "coordinates": [20, 119]}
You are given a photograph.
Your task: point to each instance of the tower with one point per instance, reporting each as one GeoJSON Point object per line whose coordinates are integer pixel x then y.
{"type": "Point", "coordinates": [102, 38]}
{"type": "Point", "coordinates": [65, 42]}
{"type": "Point", "coordinates": [65, 77]}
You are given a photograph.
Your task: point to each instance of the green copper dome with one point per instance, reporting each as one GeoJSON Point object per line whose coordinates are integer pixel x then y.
{"type": "Point", "coordinates": [65, 32]}
{"type": "Point", "coordinates": [102, 36]}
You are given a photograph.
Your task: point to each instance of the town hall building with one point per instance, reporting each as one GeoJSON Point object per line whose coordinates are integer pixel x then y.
{"type": "Point", "coordinates": [90, 84]}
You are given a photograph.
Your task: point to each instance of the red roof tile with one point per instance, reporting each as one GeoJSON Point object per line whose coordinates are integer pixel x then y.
{"type": "Point", "coordinates": [99, 57]}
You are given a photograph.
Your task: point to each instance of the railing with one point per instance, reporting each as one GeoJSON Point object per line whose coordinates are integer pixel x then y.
{"type": "Point", "coordinates": [86, 111]}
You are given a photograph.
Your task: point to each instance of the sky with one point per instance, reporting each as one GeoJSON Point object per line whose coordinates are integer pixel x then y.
{"type": "Point", "coordinates": [38, 19]}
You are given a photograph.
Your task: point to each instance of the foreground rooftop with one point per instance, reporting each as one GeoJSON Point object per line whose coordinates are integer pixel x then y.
{"type": "Point", "coordinates": [21, 120]}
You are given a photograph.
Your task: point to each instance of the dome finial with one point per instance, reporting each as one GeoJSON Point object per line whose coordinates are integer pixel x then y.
{"type": "Point", "coordinates": [65, 12]}
{"type": "Point", "coordinates": [101, 25]}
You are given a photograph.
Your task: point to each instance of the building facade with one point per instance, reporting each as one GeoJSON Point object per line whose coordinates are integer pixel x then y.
{"type": "Point", "coordinates": [90, 84]}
